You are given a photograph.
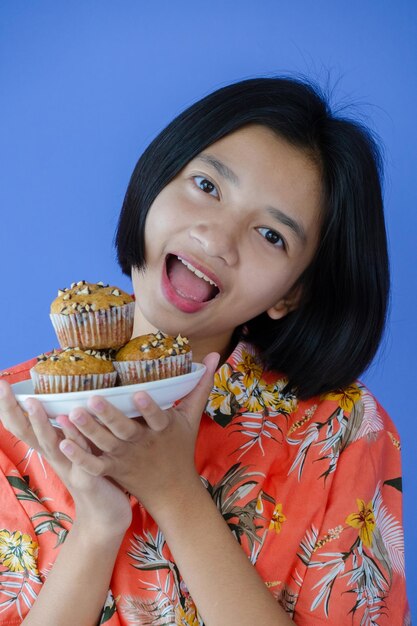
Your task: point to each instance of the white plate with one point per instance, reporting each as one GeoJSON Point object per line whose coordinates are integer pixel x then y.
{"type": "Point", "coordinates": [165, 392]}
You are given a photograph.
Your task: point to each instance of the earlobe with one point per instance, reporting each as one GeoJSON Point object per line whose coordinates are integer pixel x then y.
{"type": "Point", "coordinates": [279, 310]}
{"type": "Point", "coordinates": [286, 305]}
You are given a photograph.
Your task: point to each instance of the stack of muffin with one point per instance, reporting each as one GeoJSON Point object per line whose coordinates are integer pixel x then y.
{"type": "Point", "coordinates": [94, 323]}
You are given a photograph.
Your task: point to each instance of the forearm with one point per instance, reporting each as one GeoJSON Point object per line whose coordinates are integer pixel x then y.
{"type": "Point", "coordinates": [76, 587]}
{"type": "Point", "coordinates": [222, 582]}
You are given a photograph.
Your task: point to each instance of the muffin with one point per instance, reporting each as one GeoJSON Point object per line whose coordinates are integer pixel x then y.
{"type": "Point", "coordinates": [153, 357]}
{"type": "Point", "coordinates": [73, 370]}
{"type": "Point", "coordinates": [92, 315]}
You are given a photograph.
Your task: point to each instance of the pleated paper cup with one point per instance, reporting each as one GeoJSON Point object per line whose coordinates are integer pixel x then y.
{"type": "Point", "coordinates": [132, 372]}
{"type": "Point", "coordinates": [46, 383]}
{"type": "Point", "coordinates": [106, 328]}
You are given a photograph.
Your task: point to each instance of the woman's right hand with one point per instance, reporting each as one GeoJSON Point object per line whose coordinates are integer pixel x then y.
{"type": "Point", "coordinates": [103, 514]}
{"type": "Point", "coordinates": [91, 494]}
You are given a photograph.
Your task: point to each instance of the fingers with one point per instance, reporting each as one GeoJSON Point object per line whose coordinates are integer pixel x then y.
{"type": "Point", "coordinates": [13, 418]}
{"type": "Point", "coordinates": [112, 427]}
{"type": "Point", "coordinates": [194, 403]}
{"type": "Point", "coordinates": [191, 406]}
{"type": "Point", "coordinates": [94, 465]}
{"type": "Point", "coordinates": [45, 434]}
{"type": "Point", "coordinates": [70, 432]}
{"type": "Point", "coordinates": [154, 416]}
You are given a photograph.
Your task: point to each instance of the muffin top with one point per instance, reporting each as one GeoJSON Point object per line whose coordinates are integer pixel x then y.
{"type": "Point", "coordinates": [153, 346]}
{"type": "Point", "coordinates": [75, 362]}
{"type": "Point", "coordinates": [83, 297]}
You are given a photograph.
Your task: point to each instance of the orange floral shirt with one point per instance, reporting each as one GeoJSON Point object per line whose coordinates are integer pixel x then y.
{"type": "Point", "coordinates": [311, 490]}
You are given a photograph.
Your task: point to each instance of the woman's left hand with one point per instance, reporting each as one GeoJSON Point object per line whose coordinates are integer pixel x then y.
{"type": "Point", "coordinates": [151, 457]}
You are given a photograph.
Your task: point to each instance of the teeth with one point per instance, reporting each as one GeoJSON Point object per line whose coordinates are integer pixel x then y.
{"type": "Point", "coordinates": [197, 272]}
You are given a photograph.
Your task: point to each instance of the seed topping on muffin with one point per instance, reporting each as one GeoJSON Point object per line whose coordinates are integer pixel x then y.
{"type": "Point", "coordinates": [159, 340]}
{"type": "Point", "coordinates": [63, 362]}
{"type": "Point", "coordinates": [153, 346]}
{"type": "Point", "coordinates": [83, 297]}
{"type": "Point", "coordinates": [153, 357]}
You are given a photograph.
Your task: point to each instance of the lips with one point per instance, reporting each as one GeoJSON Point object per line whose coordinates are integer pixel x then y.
{"type": "Point", "coordinates": [187, 285]}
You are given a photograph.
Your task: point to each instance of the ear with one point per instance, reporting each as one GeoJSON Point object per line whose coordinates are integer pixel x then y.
{"type": "Point", "coordinates": [286, 305]}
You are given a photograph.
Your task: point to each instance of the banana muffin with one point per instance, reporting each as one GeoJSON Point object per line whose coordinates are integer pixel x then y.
{"type": "Point", "coordinates": [92, 315]}
{"type": "Point", "coordinates": [153, 357]}
{"type": "Point", "coordinates": [73, 369]}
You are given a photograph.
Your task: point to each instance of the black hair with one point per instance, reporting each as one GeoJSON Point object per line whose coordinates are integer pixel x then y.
{"type": "Point", "coordinates": [336, 328]}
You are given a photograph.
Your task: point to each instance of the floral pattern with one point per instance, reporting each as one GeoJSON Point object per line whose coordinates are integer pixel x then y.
{"type": "Point", "coordinates": [19, 575]}
{"type": "Point", "coordinates": [311, 490]}
{"type": "Point", "coordinates": [367, 564]}
{"type": "Point", "coordinates": [364, 520]}
{"type": "Point", "coordinates": [18, 553]}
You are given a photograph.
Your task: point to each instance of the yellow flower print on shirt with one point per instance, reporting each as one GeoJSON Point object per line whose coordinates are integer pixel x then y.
{"type": "Point", "coordinates": [251, 370]}
{"type": "Point", "coordinates": [186, 617]}
{"type": "Point", "coordinates": [18, 552]}
{"type": "Point", "coordinates": [364, 520]}
{"type": "Point", "coordinates": [265, 396]}
{"type": "Point", "coordinates": [278, 518]}
{"type": "Point", "coordinates": [219, 399]}
{"type": "Point", "coordinates": [346, 397]}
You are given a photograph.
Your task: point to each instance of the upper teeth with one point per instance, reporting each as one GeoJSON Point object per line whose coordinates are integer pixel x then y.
{"type": "Point", "coordinates": [197, 272]}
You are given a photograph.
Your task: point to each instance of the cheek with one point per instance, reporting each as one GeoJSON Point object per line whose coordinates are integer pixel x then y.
{"type": "Point", "coordinates": [167, 214]}
{"type": "Point", "coordinates": [265, 282]}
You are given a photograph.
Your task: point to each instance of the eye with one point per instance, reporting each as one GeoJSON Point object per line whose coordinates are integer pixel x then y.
{"type": "Point", "coordinates": [272, 237]}
{"type": "Point", "coordinates": [206, 185]}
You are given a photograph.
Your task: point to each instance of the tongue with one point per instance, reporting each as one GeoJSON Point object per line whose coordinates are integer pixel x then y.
{"type": "Point", "coordinates": [187, 284]}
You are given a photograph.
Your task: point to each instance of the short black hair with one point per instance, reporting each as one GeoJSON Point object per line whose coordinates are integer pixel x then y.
{"type": "Point", "coordinates": [333, 335]}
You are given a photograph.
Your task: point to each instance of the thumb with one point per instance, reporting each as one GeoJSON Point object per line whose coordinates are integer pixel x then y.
{"type": "Point", "coordinates": [194, 403]}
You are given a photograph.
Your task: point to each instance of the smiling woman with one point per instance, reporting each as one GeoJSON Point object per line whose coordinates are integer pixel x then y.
{"type": "Point", "coordinates": [226, 229]}
{"type": "Point", "coordinates": [271, 494]}
{"type": "Point", "coordinates": [279, 152]}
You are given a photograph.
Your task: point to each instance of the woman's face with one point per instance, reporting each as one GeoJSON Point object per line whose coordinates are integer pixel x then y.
{"type": "Point", "coordinates": [228, 237]}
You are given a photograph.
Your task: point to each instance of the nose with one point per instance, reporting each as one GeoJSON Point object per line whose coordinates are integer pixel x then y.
{"type": "Point", "coordinates": [217, 240]}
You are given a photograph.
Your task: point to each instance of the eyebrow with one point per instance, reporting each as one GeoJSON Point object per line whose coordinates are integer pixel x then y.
{"type": "Point", "coordinates": [275, 213]}
{"type": "Point", "coordinates": [220, 167]}
{"type": "Point", "coordinates": [285, 219]}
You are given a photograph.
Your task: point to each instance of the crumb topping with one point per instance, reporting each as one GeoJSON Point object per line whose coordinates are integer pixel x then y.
{"type": "Point", "coordinates": [84, 297]}
{"type": "Point", "coordinates": [71, 361]}
{"type": "Point", "coordinates": [153, 346]}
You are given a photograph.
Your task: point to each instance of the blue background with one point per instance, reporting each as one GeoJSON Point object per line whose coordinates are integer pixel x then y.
{"type": "Point", "coordinates": [86, 85]}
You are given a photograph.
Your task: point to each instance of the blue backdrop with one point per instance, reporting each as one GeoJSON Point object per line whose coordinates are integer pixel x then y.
{"type": "Point", "coordinates": [87, 84]}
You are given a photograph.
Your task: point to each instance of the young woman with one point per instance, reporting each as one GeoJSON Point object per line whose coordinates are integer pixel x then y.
{"type": "Point", "coordinates": [253, 224]}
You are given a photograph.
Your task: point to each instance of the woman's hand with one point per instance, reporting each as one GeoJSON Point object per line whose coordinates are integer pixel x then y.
{"type": "Point", "coordinates": [91, 494]}
{"type": "Point", "coordinates": [151, 457]}
{"type": "Point", "coordinates": [154, 459]}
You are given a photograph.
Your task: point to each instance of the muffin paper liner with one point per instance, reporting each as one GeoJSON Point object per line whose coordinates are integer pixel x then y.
{"type": "Point", "coordinates": [107, 328]}
{"type": "Point", "coordinates": [45, 383]}
{"type": "Point", "coordinates": [132, 372]}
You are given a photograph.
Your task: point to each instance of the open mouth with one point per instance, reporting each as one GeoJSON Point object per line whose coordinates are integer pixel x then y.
{"type": "Point", "coordinates": [189, 282]}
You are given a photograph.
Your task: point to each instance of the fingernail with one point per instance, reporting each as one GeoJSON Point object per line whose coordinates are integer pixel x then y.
{"type": "Point", "coordinates": [29, 407]}
{"type": "Point", "coordinates": [66, 447]}
{"type": "Point", "coordinates": [62, 420]}
{"type": "Point", "coordinates": [141, 401]}
{"type": "Point", "coordinates": [97, 404]}
{"type": "Point", "coordinates": [78, 418]}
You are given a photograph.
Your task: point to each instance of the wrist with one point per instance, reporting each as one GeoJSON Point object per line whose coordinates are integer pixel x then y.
{"type": "Point", "coordinates": [179, 503]}
{"type": "Point", "coordinates": [100, 526]}
{"type": "Point", "coordinates": [91, 533]}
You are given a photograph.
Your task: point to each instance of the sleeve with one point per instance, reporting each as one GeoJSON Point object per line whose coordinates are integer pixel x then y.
{"type": "Point", "coordinates": [355, 561]}
{"type": "Point", "coordinates": [29, 530]}
{"type": "Point", "coordinates": [20, 576]}
{"type": "Point", "coordinates": [18, 373]}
